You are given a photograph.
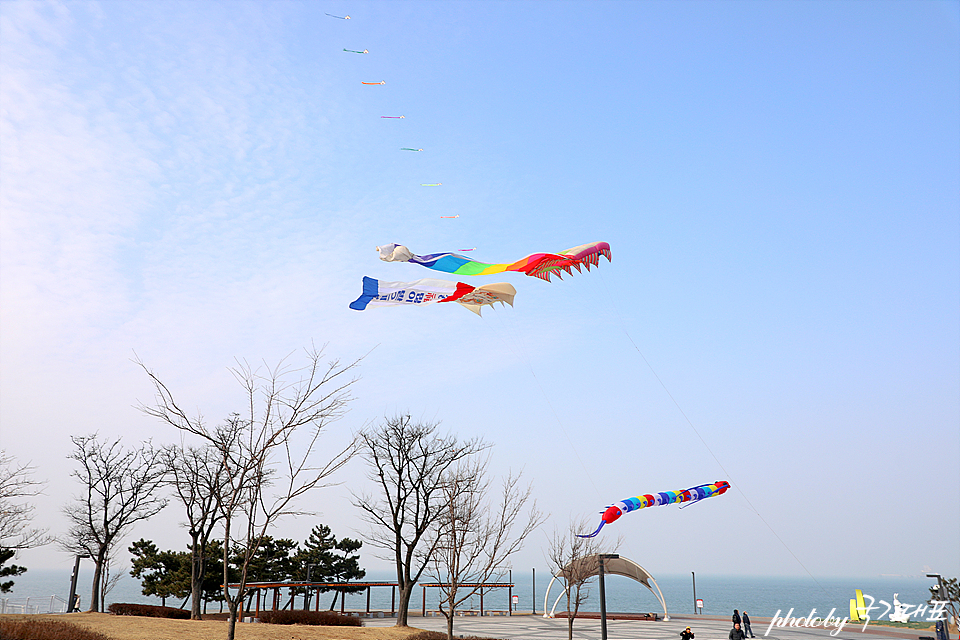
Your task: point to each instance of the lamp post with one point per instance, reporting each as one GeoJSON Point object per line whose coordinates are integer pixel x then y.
{"type": "Point", "coordinates": [944, 595]}
{"type": "Point", "coordinates": [603, 595]}
{"type": "Point", "coordinates": [534, 591]}
{"type": "Point", "coordinates": [940, 586]}
{"type": "Point", "coordinates": [306, 597]}
{"type": "Point", "coordinates": [73, 582]}
{"type": "Point", "coordinates": [694, 591]}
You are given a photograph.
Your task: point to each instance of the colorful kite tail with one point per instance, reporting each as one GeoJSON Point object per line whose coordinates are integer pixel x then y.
{"type": "Point", "coordinates": [602, 522]}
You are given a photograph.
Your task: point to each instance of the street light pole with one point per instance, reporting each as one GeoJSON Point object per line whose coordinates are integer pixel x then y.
{"type": "Point", "coordinates": [694, 591]}
{"type": "Point", "coordinates": [603, 595]}
{"type": "Point", "coordinates": [944, 595]}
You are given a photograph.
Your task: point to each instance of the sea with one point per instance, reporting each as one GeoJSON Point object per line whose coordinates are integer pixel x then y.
{"type": "Point", "coordinates": [761, 596]}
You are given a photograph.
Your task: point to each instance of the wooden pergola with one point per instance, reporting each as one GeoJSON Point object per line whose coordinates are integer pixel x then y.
{"type": "Point", "coordinates": [471, 585]}
{"type": "Point", "coordinates": [327, 586]}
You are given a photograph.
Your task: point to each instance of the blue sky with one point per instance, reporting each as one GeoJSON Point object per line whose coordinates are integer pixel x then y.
{"type": "Point", "coordinates": [779, 183]}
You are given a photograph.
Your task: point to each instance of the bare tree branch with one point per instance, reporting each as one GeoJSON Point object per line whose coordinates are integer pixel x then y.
{"type": "Point", "coordinates": [475, 538]}
{"type": "Point", "coordinates": [266, 453]}
{"type": "Point", "coordinates": [567, 552]}
{"type": "Point", "coordinates": [198, 478]}
{"type": "Point", "coordinates": [17, 483]}
{"type": "Point", "coordinates": [120, 490]}
{"type": "Point", "coordinates": [407, 462]}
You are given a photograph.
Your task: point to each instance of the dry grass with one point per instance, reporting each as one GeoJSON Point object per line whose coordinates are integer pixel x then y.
{"type": "Point", "coordinates": [45, 630]}
{"type": "Point", "coordinates": [137, 628]}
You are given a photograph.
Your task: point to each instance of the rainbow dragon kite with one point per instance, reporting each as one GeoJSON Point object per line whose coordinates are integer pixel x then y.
{"type": "Point", "coordinates": [541, 265]}
{"type": "Point", "coordinates": [694, 494]}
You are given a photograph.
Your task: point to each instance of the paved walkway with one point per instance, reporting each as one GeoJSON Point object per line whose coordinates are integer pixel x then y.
{"type": "Point", "coordinates": [535, 627]}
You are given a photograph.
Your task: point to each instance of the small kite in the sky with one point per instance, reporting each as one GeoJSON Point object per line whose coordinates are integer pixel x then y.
{"type": "Point", "coordinates": [450, 217]}
{"type": "Point", "coordinates": [409, 149]}
{"type": "Point", "coordinates": [432, 184]}
{"type": "Point", "coordinates": [341, 17]}
{"type": "Point", "coordinates": [352, 51]}
{"type": "Point", "coordinates": [541, 265]}
{"type": "Point", "coordinates": [474, 249]}
{"type": "Point", "coordinates": [381, 82]}
{"type": "Point", "coordinates": [695, 494]}
{"type": "Point", "coordinates": [397, 117]}
{"type": "Point", "coordinates": [377, 293]}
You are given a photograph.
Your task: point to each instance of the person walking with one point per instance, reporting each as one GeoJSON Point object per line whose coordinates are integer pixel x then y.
{"type": "Point", "coordinates": [736, 633]}
{"type": "Point", "coordinates": [686, 634]}
{"type": "Point", "coordinates": [746, 625]}
{"type": "Point", "coordinates": [736, 617]}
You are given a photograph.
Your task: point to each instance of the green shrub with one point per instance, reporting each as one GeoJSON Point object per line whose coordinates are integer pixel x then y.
{"type": "Point", "coordinates": [148, 611]}
{"type": "Point", "coordinates": [324, 618]}
{"type": "Point", "coordinates": [46, 630]}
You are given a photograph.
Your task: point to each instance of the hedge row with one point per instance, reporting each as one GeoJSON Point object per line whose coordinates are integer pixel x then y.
{"type": "Point", "coordinates": [46, 630]}
{"type": "Point", "coordinates": [147, 610]}
{"type": "Point", "coordinates": [437, 635]}
{"type": "Point", "coordinates": [324, 618]}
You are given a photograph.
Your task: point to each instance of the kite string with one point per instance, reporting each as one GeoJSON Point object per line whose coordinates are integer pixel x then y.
{"type": "Point", "coordinates": [733, 483]}
{"type": "Point", "coordinates": [519, 352]}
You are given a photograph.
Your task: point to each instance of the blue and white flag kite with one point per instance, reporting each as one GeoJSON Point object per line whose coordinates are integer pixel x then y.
{"type": "Point", "coordinates": [377, 293]}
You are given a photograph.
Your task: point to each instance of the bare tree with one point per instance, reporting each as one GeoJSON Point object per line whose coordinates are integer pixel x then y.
{"type": "Point", "coordinates": [266, 458]}
{"type": "Point", "coordinates": [17, 483]}
{"type": "Point", "coordinates": [119, 490]}
{"type": "Point", "coordinates": [199, 479]}
{"type": "Point", "coordinates": [569, 555]}
{"type": "Point", "coordinates": [475, 538]}
{"type": "Point", "coordinates": [407, 463]}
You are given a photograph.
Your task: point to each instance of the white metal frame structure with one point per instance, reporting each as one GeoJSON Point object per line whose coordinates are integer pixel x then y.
{"type": "Point", "coordinates": [590, 566]}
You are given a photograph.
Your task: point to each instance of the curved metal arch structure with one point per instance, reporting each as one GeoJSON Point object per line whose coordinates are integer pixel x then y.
{"type": "Point", "coordinates": [589, 566]}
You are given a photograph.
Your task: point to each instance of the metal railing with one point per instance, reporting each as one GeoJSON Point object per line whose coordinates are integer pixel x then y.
{"type": "Point", "coordinates": [42, 604]}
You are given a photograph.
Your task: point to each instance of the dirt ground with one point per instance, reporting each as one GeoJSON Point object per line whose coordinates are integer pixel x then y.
{"type": "Point", "coordinates": [137, 628]}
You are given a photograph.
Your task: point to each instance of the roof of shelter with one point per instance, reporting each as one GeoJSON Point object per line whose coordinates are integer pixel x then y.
{"type": "Point", "coordinates": [589, 566]}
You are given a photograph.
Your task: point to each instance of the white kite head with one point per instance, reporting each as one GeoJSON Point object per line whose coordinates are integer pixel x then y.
{"type": "Point", "coordinates": [395, 253]}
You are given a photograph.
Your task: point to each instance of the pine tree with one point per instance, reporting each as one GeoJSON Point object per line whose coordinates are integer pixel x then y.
{"type": "Point", "coordinates": [332, 560]}
{"type": "Point", "coordinates": [161, 573]}
{"type": "Point", "coordinates": [12, 570]}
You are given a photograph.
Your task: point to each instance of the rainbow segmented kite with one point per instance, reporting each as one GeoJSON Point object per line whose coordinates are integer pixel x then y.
{"type": "Point", "coordinates": [381, 82]}
{"type": "Point", "coordinates": [694, 494]}
{"type": "Point", "coordinates": [377, 293]}
{"type": "Point", "coordinates": [540, 265]}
